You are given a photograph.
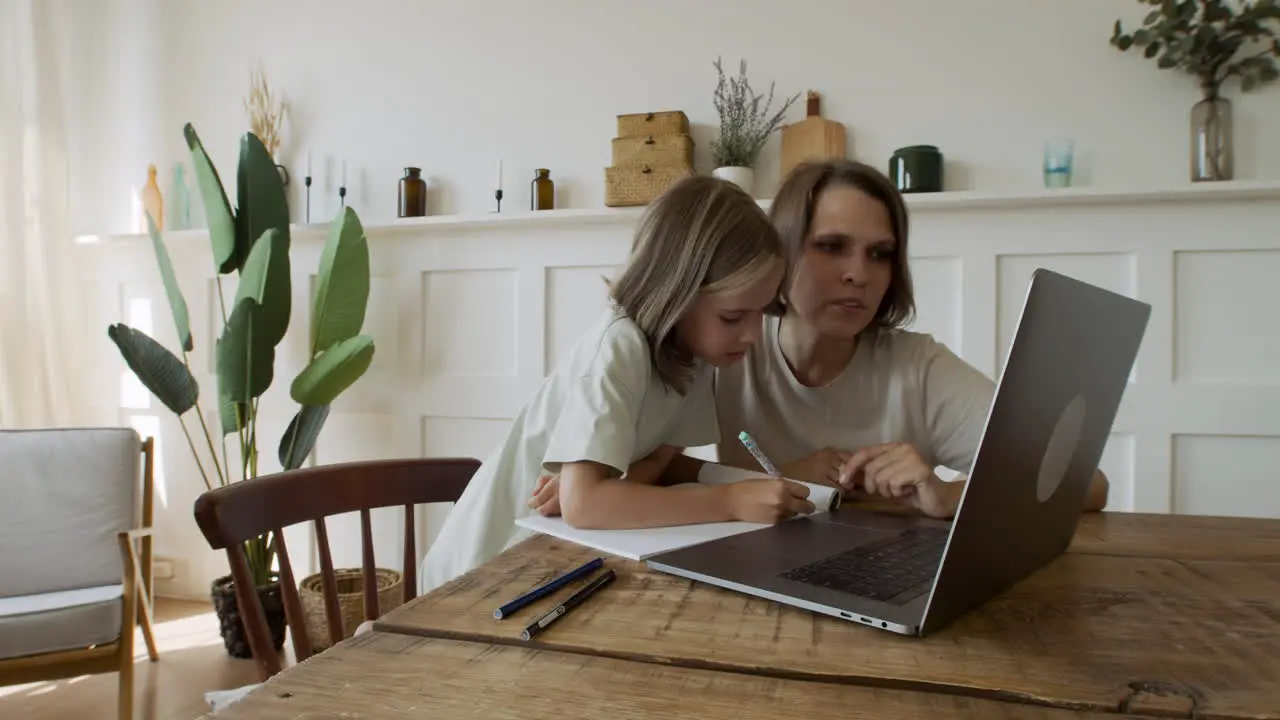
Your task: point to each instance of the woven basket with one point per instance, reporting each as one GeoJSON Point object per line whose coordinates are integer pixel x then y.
{"type": "Point", "coordinates": [669, 122]}
{"type": "Point", "coordinates": [350, 601]}
{"type": "Point", "coordinates": [640, 184]}
{"type": "Point", "coordinates": [653, 150]}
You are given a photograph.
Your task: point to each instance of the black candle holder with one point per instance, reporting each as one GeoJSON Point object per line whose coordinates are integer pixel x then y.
{"type": "Point", "coordinates": [342, 196]}
{"type": "Point", "coordinates": [497, 195]}
{"type": "Point", "coordinates": [307, 181]}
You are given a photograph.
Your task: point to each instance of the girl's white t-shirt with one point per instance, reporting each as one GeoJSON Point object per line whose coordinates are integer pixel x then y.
{"type": "Point", "coordinates": [604, 403]}
{"type": "Point", "coordinates": [899, 386]}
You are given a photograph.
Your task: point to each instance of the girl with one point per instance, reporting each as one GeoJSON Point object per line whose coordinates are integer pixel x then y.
{"type": "Point", "coordinates": [637, 388]}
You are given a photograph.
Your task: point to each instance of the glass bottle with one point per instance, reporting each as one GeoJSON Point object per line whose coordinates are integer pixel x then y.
{"type": "Point", "coordinates": [413, 193]}
{"type": "Point", "coordinates": [179, 199]}
{"type": "Point", "coordinates": [542, 195]}
{"type": "Point", "coordinates": [1211, 138]}
{"type": "Point", "coordinates": [152, 200]}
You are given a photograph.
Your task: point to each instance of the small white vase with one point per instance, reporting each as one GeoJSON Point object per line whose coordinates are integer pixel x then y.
{"type": "Point", "coordinates": [743, 177]}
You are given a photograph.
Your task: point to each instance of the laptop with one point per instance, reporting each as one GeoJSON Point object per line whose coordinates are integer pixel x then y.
{"type": "Point", "coordinates": [1054, 406]}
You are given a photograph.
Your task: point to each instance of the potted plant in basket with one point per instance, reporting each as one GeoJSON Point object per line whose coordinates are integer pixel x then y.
{"type": "Point", "coordinates": [745, 126]}
{"type": "Point", "coordinates": [252, 242]}
{"type": "Point", "coordinates": [1214, 42]}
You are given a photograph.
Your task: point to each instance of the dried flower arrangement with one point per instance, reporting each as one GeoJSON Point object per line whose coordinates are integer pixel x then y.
{"type": "Point", "coordinates": [266, 112]}
{"type": "Point", "coordinates": [744, 125]}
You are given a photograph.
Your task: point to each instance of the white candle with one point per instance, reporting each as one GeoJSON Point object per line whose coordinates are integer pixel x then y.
{"type": "Point", "coordinates": [499, 174]}
{"type": "Point", "coordinates": [344, 172]}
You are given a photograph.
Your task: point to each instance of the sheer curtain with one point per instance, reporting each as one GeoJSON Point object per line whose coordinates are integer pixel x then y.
{"type": "Point", "coordinates": [40, 382]}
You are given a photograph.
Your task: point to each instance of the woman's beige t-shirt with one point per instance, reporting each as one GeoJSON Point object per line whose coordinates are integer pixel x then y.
{"type": "Point", "coordinates": [899, 386]}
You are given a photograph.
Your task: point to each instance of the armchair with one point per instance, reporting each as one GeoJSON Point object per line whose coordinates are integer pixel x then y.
{"type": "Point", "coordinates": [76, 566]}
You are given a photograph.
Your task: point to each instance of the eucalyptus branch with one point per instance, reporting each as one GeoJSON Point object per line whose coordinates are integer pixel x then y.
{"type": "Point", "coordinates": [1204, 37]}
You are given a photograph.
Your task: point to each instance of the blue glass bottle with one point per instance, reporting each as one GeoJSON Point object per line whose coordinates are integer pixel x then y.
{"type": "Point", "coordinates": [179, 210]}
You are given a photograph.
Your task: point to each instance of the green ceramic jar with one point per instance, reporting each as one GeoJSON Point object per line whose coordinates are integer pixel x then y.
{"type": "Point", "coordinates": [916, 168]}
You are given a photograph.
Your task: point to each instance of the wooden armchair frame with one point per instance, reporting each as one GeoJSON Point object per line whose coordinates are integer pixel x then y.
{"type": "Point", "coordinates": [232, 514]}
{"type": "Point", "coordinates": [136, 559]}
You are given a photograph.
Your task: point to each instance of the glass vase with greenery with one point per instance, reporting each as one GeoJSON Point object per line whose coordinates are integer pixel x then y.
{"type": "Point", "coordinates": [1213, 41]}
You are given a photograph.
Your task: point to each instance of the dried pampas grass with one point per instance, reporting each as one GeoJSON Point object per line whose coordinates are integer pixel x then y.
{"type": "Point", "coordinates": [266, 112]}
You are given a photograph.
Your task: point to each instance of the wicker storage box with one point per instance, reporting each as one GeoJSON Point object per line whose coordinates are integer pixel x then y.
{"type": "Point", "coordinates": [653, 150]}
{"type": "Point", "coordinates": [669, 122]}
{"type": "Point", "coordinates": [640, 184]}
{"type": "Point", "coordinates": [350, 601]}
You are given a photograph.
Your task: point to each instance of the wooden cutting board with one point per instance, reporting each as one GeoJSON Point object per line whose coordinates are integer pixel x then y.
{"type": "Point", "coordinates": [813, 138]}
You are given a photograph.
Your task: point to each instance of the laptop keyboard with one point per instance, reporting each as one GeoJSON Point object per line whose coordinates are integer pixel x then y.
{"type": "Point", "coordinates": [879, 570]}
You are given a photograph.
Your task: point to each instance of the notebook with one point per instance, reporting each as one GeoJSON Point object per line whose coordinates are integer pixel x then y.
{"type": "Point", "coordinates": [642, 543]}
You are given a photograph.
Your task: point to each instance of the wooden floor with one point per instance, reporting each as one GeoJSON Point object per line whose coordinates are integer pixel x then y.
{"type": "Point", "coordinates": [192, 662]}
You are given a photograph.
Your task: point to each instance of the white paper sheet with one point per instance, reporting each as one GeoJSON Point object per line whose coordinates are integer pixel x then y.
{"type": "Point", "coordinates": [640, 544]}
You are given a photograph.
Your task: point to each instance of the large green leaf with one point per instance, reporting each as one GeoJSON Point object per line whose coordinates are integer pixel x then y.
{"type": "Point", "coordinates": [262, 206]}
{"type": "Point", "coordinates": [232, 414]}
{"type": "Point", "coordinates": [342, 291]}
{"type": "Point", "coordinates": [177, 304]}
{"type": "Point", "coordinates": [333, 371]}
{"type": "Point", "coordinates": [222, 225]}
{"type": "Point", "coordinates": [300, 438]}
{"type": "Point", "coordinates": [256, 273]}
{"type": "Point", "coordinates": [245, 362]}
{"type": "Point", "coordinates": [156, 368]}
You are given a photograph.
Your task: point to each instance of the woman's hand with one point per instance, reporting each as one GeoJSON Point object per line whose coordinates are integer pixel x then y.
{"type": "Point", "coordinates": [895, 470]}
{"type": "Point", "coordinates": [820, 468]}
{"type": "Point", "coordinates": [766, 500]}
{"type": "Point", "coordinates": [546, 496]}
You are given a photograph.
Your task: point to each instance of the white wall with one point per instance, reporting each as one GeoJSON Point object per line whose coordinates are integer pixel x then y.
{"type": "Point", "coordinates": [451, 86]}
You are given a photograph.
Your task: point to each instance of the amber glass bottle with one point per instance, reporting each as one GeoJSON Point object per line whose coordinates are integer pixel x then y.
{"type": "Point", "coordinates": [542, 195]}
{"type": "Point", "coordinates": [413, 193]}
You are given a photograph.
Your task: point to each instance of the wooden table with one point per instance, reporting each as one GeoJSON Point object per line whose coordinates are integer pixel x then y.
{"type": "Point", "coordinates": [1179, 537]}
{"type": "Point", "coordinates": [380, 676]}
{"type": "Point", "coordinates": [1119, 624]}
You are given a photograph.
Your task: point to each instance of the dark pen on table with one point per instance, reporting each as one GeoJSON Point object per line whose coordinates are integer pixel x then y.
{"type": "Point", "coordinates": [574, 600]}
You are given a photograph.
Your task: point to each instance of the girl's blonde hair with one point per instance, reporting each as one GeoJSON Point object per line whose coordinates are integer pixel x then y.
{"type": "Point", "coordinates": [702, 235]}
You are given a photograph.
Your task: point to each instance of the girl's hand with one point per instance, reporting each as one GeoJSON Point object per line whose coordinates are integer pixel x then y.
{"type": "Point", "coordinates": [895, 470]}
{"type": "Point", "coordinates": [820, 468]}
{"type": "Point", "coordinates": [767, 500]}
{"type": "Point", "coordinates": [546, 496]}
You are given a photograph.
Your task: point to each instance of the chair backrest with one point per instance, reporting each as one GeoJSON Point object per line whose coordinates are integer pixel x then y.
{"type": "Point", "coordinates": [230, 515]}
{"type": "Point", "coordinates": [64, 495]}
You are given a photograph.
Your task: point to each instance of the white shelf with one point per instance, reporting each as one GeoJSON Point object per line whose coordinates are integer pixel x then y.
{"type": "Point", "coordinates": [1235, 190]}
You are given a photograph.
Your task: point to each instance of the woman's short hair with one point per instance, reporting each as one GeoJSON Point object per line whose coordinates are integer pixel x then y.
{"type": "Point", "coordinates": [792, 215]}
{"type": "Point", "coordinates": [702, 235]}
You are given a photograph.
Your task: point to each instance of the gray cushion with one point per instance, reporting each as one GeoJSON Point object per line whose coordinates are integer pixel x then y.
{"type": "Point", "coordinates": [64, 494]}
{"type": "Point", "coordinates": [68, 620]}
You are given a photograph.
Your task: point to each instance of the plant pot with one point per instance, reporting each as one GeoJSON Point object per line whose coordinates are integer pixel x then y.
{"type": "Point", "coordinates": [743, 177]}
{"type": "Point", "coordinates": [234, 637]}
{"type": "Point", "coordinates": [350, 583]}
{"type": "Point", "coordinates": [1211, 139]}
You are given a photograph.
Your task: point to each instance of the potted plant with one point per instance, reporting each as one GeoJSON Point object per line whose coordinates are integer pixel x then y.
{"type": "Point", "coordinates": [252, 242]}
{"type": "Point", "coordinates": [1214, 42]}
{"type": "Point", "coordinates": [745, 126]}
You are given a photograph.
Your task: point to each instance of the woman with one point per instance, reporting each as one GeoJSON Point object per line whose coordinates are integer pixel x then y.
{"type": "Point", "coordinates": [835, 391]}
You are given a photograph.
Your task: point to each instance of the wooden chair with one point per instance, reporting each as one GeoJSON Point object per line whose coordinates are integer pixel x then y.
{"type": "Point", "coordinates": [230, 515]}
{"type": "Point", "coordinates": [76, 575]}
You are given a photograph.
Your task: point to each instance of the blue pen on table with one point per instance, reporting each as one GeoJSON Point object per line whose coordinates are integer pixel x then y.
{"type": "Point", "coordinates": [756, 453]}
{"type": "Point", "coordinates": [558, 611]}
{"type": "Point", "coordinates": [547, 588]}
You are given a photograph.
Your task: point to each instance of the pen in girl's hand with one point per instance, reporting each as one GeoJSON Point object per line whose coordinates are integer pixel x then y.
{"type": "Point", "coordinates": [758, 454]}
